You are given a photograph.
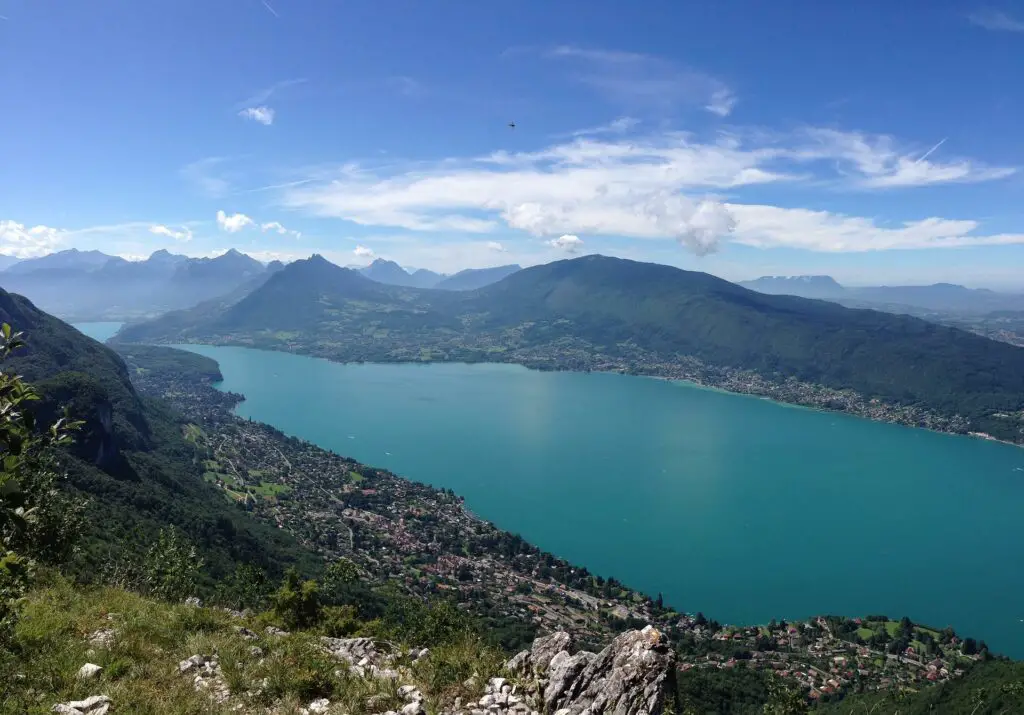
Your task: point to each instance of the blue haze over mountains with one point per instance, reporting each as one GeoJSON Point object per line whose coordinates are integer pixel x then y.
{"type": "Point", "coordinates": [939, 297]}
{"type": "Point", "coordinates": [91, 285]}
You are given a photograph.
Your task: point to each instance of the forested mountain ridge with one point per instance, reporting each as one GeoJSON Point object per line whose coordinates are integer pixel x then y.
{"type": "Point", "coordinates": [607, 313]}
{"type": "Point", "coordinates": [130, 458]}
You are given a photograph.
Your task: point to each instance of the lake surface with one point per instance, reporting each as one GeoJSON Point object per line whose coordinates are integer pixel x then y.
{"type": "Point", "coordinates": [99, 331]}
{"type": "Point", "coordinates": [730, 505]}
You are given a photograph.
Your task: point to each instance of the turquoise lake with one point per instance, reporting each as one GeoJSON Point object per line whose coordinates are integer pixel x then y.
{"type": "Point", "coordinates": [99, 331]}
{"type": "Point", "coordinates": [730, 505]}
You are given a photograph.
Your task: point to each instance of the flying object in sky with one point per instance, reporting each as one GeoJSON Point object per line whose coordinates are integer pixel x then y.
{"type": "Point", "coordinates": [511, 125]}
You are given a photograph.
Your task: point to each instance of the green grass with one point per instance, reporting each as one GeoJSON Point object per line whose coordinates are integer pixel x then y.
{"type": "Point", "coordinates": [865, 633]}
{"type": "Point", "coordinates": [356, 477]}
{"type": "Point", "coordinates": [140, 667]}
{"type": "Point", "coordinates": [270, 489]}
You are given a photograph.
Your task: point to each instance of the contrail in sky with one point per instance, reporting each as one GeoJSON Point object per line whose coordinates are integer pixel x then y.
{"type": "Point", "coordinates": [272, 10]}
{"type": "Point", "coordinates": [929, 152]}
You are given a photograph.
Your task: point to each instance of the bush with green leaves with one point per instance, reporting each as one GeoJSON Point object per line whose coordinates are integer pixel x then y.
{"type": "Point", "coordinates": [297, 603]}
{"type": "Point", "coordinates": [37, 522]}
{"type": "Point", "coordinates": [171, 567]}
{"type": "Point", "coordinates": [247, 587]}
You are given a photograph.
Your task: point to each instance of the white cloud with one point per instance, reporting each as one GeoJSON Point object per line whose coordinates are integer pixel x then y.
{"type": "Point", "coordinates": [363, 252]}
{"type": "Point", "coordinates": [185, 234]}
{"type": "Point", "coordinates": [567, 243]}
{"type": "Point", "coordinates": [722, 102]}
{"type": "Point", "coordinates": [233, 223]}
{"type": "Point", "coordinates": [667, 186]}
{"type": "Point", "coordinates": [774, 227]}
{"type": "Point", "coordinates": [263, 114]}
{"type": "Point", "coordinates": [21, 241]}
{"type": "Point", "coordinates": [995, 20]}
{"type": "Point", "coordinates": [876, 162]}
{"type": "Point", "coordinates": [278, 228]}
{"type": "Point", "coordinates": [584, 186]}
{"type": "Point", "coordinates": [495, 246]}
{"type": "Point", "coordinates": [705, 227]}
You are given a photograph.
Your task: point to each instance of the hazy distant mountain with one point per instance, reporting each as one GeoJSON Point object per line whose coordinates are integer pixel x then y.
{"type": "Point", "coordinates": [583, 312]}
{"type": "Point", "coordinates": [76, 285]}
{"type": "Point", "coordinates": [424, 278]}
{"type": "Point", "coordinates": [473, 278]}
{"type": "Point", "coordinates": [939, 297]}
{"type": "Point", "coordinates": [71, 259]}
{"type": "Point", "coordinates": [806, 286]}
{"type": "Point", "coordinates": [7, 261]}
{"type": "Point", "coordinates": [390, 273]}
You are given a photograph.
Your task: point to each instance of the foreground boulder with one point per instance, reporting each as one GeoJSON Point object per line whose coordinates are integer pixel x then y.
{"type": "Point", "coordinates": [629, 677]}
{"type": "Point", "coordinates": [96, 705]}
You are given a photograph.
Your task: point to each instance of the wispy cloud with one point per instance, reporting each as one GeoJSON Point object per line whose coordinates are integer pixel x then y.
{"type": "Point", "coordinates": [877, 162]}
{"type": "Point", "coordinates": [644, 81]}
{"type": "Point", "coordinates": [616, 126]}
{"type": "Point", "coordinates": [205, 174]}
{"type": "Point", "coordinates": [363, 252]}
{"type": "Point", "coordinates": [264, 115]}
{"type": "Point", "coordinates": [996, 20]}
{"type": "Point", "coordinates": [661, 186]}
{"type": "Point", "coordinates": [722, 102]}
{"type": "Point", "coordinates": [233, 223]}
{"type": "Point", "coordinates": [261, 96]}
{"type": "Point", "coordinates": [256, 108]}
{"type": "Point", "coordinates": [184, 234]}
{"type": "Point", "coordinates": [496, 247]}
{"type": "Point", "coordinates": [279, 229]}
{"type": "Point", "coordinates": [270, 9]}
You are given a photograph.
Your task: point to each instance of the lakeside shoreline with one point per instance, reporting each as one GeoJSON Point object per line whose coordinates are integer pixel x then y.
{"type": "Point", "coordinates": [692, 372]}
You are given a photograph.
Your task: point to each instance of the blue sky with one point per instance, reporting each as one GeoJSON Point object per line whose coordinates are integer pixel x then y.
{"type": "Point", "coordinates": [874, 141]}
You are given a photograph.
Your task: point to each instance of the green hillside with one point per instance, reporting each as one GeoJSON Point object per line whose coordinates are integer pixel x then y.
{"type": "Point", "coordinates": [596, 312]}
{"type": "Point", "coordinates": [130, 458]}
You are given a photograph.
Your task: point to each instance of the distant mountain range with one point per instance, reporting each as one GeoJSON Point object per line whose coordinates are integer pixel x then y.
{"type": "Point", "coordinates": [598, 312]}
{"type": "Point", "coordinates": [90, 285]}
{"type": "Point", "coordinates": [916, 300]}
{"type": "Point", "coordinates": [390, 273]}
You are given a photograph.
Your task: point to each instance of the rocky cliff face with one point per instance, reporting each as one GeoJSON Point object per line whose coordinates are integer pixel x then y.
{"type": "Point", "coordinates": [629, 677]}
